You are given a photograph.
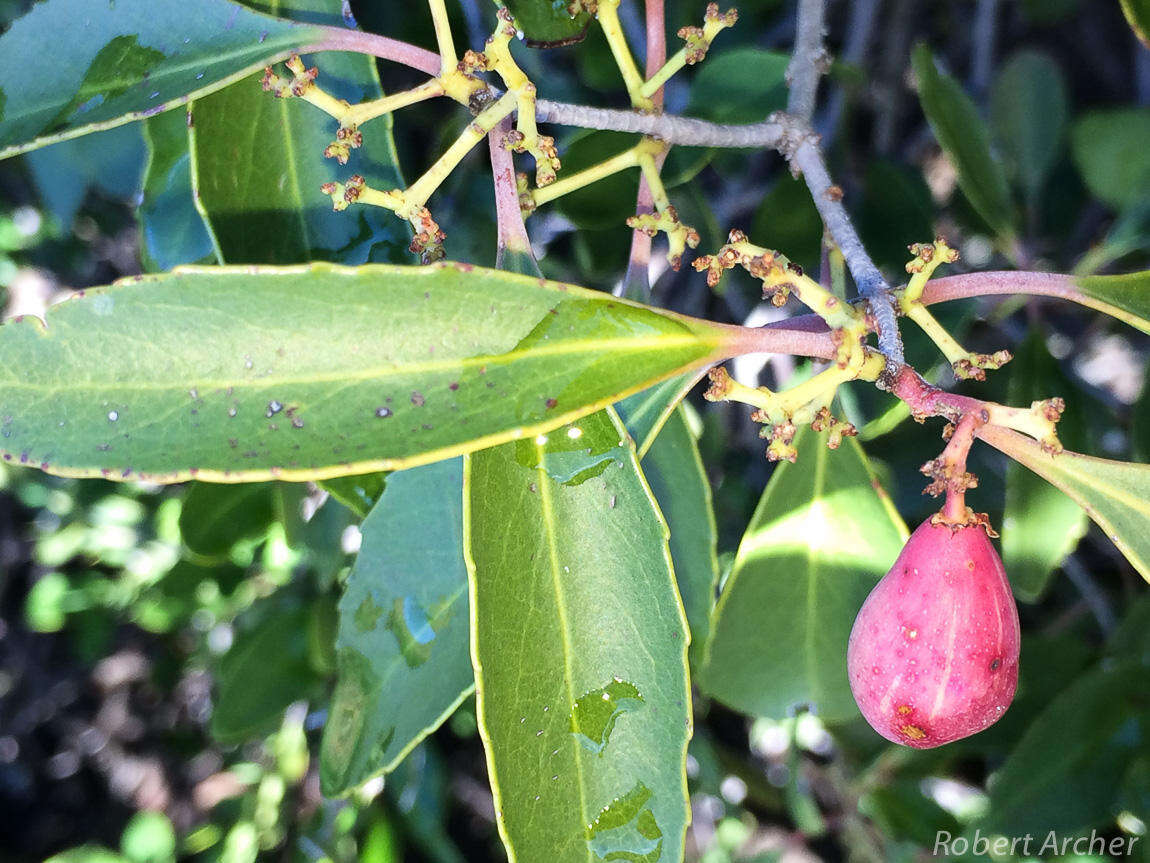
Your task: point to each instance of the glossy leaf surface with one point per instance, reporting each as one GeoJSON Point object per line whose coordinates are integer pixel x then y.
{"type": "Point", "coordinates": [235, 374]}
{"type": "Point", "coordinates": [822, 535]}
{"type": "Point", "coordinates": [579, 645]}
{"type": "Point", "coordinates": [123, 61]}
{"type": "Point", "coordinates": [1115, 494]}
{"type": "Point", "coordinates": [403, 628]}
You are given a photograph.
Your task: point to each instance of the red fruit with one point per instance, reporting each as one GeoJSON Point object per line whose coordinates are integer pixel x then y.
{"type": "Point", "coordinates": [933, 655]}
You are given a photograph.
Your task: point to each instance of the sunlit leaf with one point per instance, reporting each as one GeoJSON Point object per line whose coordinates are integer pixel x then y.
{"type": "Point", "coordinates": [1040, 524]}
{"type": "Point", "coordinates": [403, 630]}
{"type": "Point", "coordinates": [579, 645]}
{"type": "Point", "coordinates": [964, 137]}
{"type": "Point", "coordinates": [821, 537]}
{"type": "Point", "coordinates": [1115, 494]}
{"type": "Point", "coordinates": [236, 374]}
{"type": "Point", "coordinates": [125, 60]}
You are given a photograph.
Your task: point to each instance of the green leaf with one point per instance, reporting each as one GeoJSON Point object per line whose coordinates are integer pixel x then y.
{"type": "Point", "coordinates": [239, 374]}
{"type": "Point", "coordinates": [1125, 296]}
{"type": "Point", "coordinates": [215, 517]}
{"type": "Point", "coordinates": [645, 412]}
{"type": "Point", "coordinates": [258, 165]}
{"type": "Point", "coordinates": [739, 85]}
{"type": "Point", "coordinates": [403, 628]}
{"type": "Point", "coordinates": [1037, 792]}
{"type": "Point", "coordinates": [546, 24]}
{"type": "Point", "coordinates": [1109, 148]}
{"type": "Point", "coordinates": [1137, 12]}
{"type": "Point", "coordinates": [1115, 494]}
{"type": "Point", "coordinates": [580, 649]}
{"type": "Point", "coordinates": [88, 854]}
{"type": "Point", "coordinates": [358, 493]}
{"type": "Point", "coordinates": [821, 537]}
{"type": "Point", "coordinates": [1040, 525]}
{"type": "Point", "coordinates": [129, 59]}
{"type": "Point", "coordinates": [172, 231]}
{"type": "Point", "coordinates": [265, 671]}
{"type": "Point", "coordinates": [964, 137]}
{"type": "Point", "coordinates": [674, 470]}
{"type": "Point", "coordinates": [1028, 112]}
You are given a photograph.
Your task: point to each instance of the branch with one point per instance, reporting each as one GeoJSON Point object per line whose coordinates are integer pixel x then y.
{"type": "Point", "coordinates": [809, 60]}
{"type": "Point", "coordinates": [684, 131]}
{"type": "Point", "coordinates": [806, 158]}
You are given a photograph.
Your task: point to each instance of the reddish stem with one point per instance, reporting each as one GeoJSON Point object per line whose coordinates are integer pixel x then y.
{"type": "Point", "coordinates": [989, 283]}
{"type": "Point", "coordinates": [511, 232]}
{"type": "Point", "coordinates": [640, 258]}
{"type": "Point", "coordinates": [345, 39]}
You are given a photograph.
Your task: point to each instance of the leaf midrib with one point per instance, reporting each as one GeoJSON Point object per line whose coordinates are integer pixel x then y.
{"type": "Point", "coordinates": [542, 482]}
{"type": "Point", "coordinates": [633, 344]}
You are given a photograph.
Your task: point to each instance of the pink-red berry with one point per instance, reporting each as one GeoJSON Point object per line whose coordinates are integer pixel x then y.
{"type": "Point", "coordinates": [933, 655]}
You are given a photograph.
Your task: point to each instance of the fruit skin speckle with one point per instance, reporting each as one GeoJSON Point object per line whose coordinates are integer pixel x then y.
{"type": "Point", "coordinates": [933, 655]}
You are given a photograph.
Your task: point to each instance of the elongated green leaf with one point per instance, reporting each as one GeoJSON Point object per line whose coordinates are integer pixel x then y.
{"type": "Point", "coordinates": [1108, 148]}
{"type": "Point", "coordinates": [1035, 792]}
{"type": "Point", "coordinates": [235, 374]}
{"type": "Point", "coordinates": [1137, 12]}
{"type": "Point", "coordinates": [403, 628]}
{"type": "Point", "coordinates": [171, 228]}
{"type": "Point", "coordinates": [579, 645]}
{"type": "Point", "coordinates": [645, 412]}
{"type": "Point", "coordinates": [821, 537]}
{"type": "Point", "coordinates": [259, 164]}
{"type": "Point", "coordinates": [1115, 494]}
{"type": "Point", "coordinates": [1028, 111]}
{"type": "Point", "coordinates": [125, 60]}
{"type": "Point", "coordinates": [674, 470]}
{"type": "Point", "coordinates": [1040, 524]}
{"type": "Point", "coordinates": [964, 137]}
{"type": "Point", "coordinates": [214, 518]}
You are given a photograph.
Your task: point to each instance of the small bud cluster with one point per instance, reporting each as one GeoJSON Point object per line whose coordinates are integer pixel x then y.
{"type": "Point", "coordinates": [781, 414]}
{"type": "Point", "coordinates": [699, 39]}
{"type": "Point", "coordinates": [679, 235]}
